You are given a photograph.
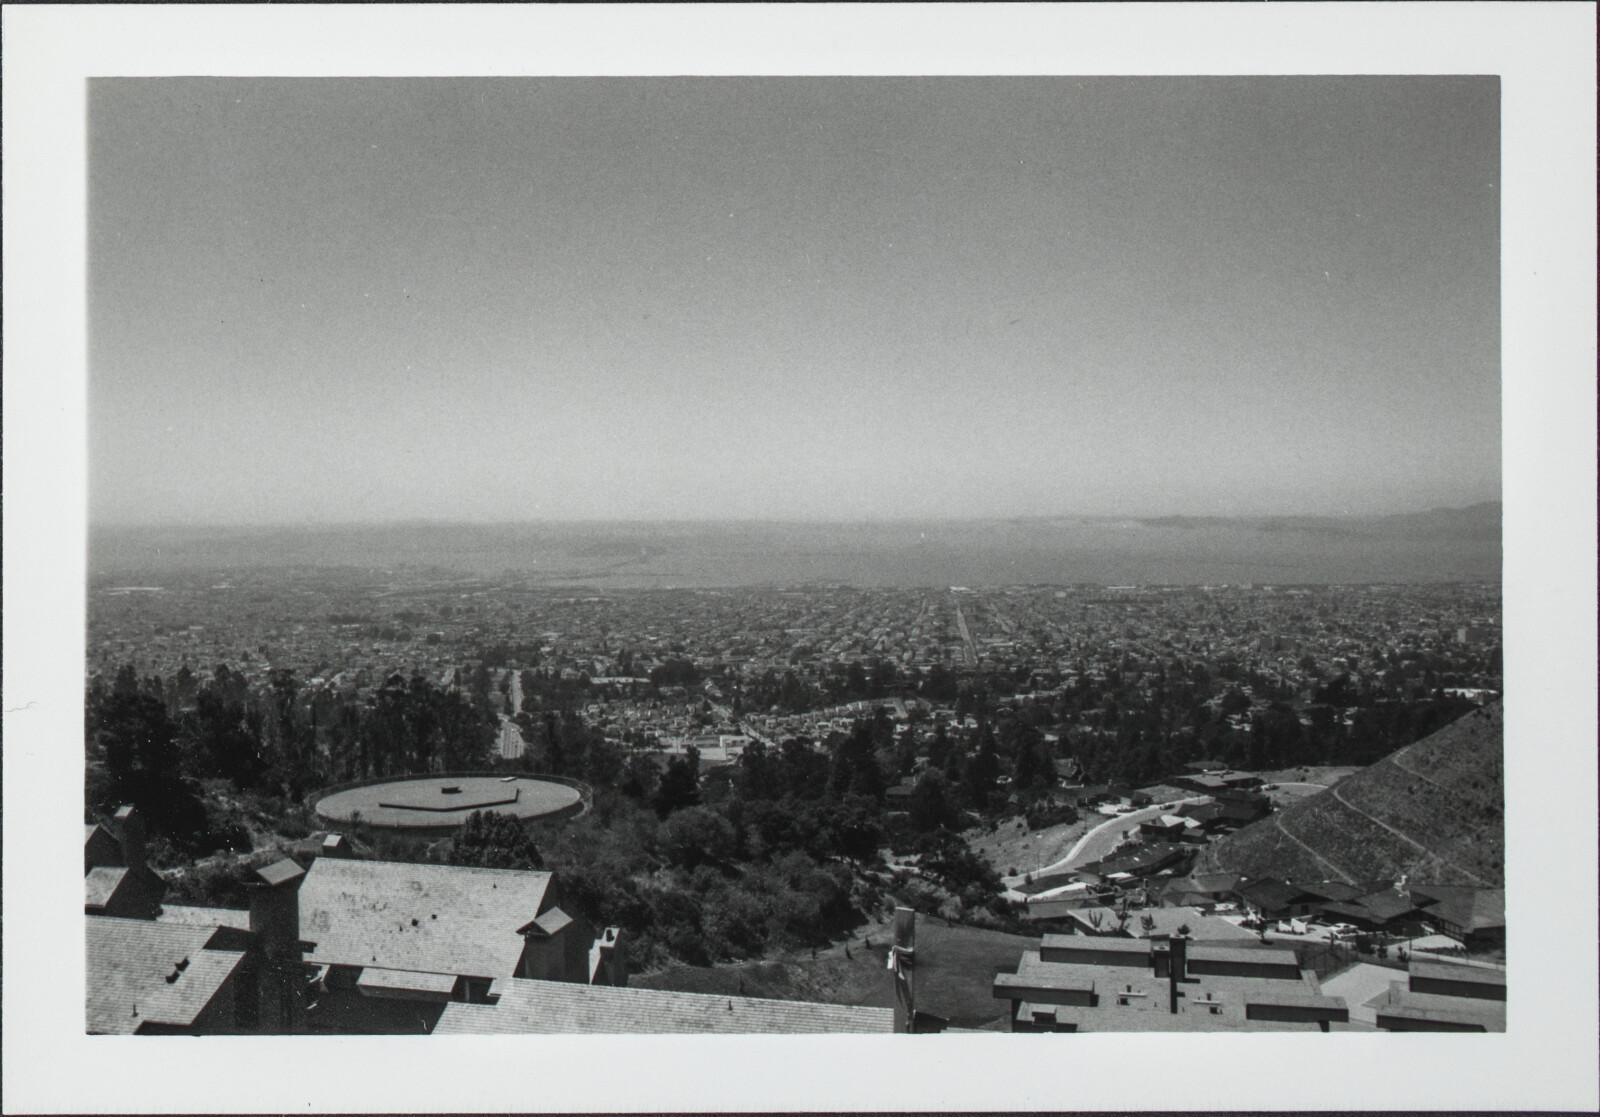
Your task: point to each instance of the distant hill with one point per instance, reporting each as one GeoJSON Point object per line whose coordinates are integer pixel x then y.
{"type": "Point", "coordinates": [1434, 811]}
{"type": "Point", "coordinates": [1474, 523]}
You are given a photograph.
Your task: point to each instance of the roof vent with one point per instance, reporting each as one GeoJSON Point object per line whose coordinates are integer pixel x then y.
{"type": "Point", "coordinates": [452, 789]}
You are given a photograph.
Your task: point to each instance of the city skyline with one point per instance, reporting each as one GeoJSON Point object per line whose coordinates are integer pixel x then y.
{"type": "Point", "coordinates": [836, 299]}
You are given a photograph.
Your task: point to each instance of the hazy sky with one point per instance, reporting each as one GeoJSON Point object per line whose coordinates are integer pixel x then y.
{"type": "Point", "coordinates": [791, 298]}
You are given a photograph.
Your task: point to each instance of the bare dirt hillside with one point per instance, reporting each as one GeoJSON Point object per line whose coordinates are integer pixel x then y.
{"type": "Point", "coordinates": [1434, 811]}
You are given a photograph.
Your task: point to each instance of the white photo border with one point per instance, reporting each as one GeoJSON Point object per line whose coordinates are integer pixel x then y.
{"type": "Point", "coordinates": [1544, 56]}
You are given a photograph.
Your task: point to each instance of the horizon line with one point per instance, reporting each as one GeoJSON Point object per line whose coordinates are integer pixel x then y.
{"type": "Point", "coordinates": [426, 521]}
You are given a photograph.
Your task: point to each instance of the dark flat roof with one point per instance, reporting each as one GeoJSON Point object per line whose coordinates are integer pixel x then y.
{"type": "Point", "coordinates": [1455, 971]}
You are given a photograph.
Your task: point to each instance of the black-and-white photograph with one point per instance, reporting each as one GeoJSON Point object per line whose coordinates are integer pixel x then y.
{"type": "Point", "coordinates": [797, 554]}
{"type": "Point", "coordinates": [759, 554]}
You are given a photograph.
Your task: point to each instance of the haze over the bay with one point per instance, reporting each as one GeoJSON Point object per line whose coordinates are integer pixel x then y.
{"type": "Point", "coordinates": [791, 299]}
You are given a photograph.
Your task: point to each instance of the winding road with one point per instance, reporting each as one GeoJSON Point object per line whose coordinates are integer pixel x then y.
{"type": "Point", "coordinates": [1098, 842]}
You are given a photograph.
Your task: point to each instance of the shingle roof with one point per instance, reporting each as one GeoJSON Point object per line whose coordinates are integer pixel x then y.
{"type": "Point", "coordinates": [429, 918]}
{"type": "Point", "coordinates": [548, 923]}
{"type": "Point", "coordinates": [204, 917]}
{"type": "Point", "coordinates": [129, 961]}
{"type": "Point", "coordinates": [553, 1007]}
{"type": "Point", "coordinates": [100, 884]}
{"type": "Point", "coordinates": [375, 979]}
{"type": "Point", "coordinates": [284, 869]}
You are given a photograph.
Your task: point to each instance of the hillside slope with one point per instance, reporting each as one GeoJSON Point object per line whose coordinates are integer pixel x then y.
{"type": "Point", "coordinates": [1434, 811]}
{"type": "Point", "coordinates": [955, 973]}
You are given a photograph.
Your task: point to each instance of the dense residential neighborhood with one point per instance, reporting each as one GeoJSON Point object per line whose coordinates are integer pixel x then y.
{"type": "Point", "coordinates": [726, 779]}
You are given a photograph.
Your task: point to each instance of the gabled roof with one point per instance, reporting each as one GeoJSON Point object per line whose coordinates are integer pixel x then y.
{"type": "Point", "coordinates": [129, 963]}
{"type": "Point", "coordinates": [1332, 890]}
{"type": "Point", "coordinates": [551, 1007]}
{"type": "Point", "coordinates": [280, 871]}
{"type": "Point", "coordinates": [102, 844]}
{"type": "Point", "coordinates": [1148, 856]}
{"type": "Point", "coordinates": [100, 884]}
{"type": "Point", "coordinates": [1387, 905]}
{"type": "Point", "coordinates": [1202, 927]}
{"type": "Point", "coordinates": [427, 918]}
{"type": "Point", "coordinates": [237, 918]}
{"type": "Point", "coordinates": [1474, 909]}
{"type": "Point", "coordinates": [1336, 910]}
{"type": "Point", "coordinates": [1271, 892]}
{"type": "Point", "coordinates": [376, 981]}
{"type": "Point", "coordinates": [549, 922]}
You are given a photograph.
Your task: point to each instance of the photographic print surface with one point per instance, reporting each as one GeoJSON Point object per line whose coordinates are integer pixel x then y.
{"type": "Point", "coordinates": [794, 555]}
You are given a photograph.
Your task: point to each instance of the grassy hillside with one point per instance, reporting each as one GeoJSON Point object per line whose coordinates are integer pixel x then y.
{"type": "Point", "coordinates": [1433, 810]}
{"type": "Point", "coordinates": [955, 973]}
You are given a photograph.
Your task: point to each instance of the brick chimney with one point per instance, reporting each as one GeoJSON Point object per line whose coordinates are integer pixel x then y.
{"type": "Point", "coordinates": [610, 964]}
{"type": "Point", "coordinates": [335, 845]}
{"type": "Point", "coordinates": [129, 826]}
{"type": "Point", "coordinates": [275, 921]}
